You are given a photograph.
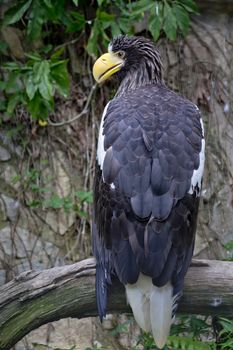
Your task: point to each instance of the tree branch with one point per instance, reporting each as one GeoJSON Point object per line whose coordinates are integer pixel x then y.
{"type": "Point", "coordinates": [84, 111]}
{"type": "Point", "coordinates": [37, 297]}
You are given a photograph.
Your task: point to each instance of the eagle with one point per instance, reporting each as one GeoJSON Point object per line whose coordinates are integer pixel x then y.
{"type": "Point", "coordinates": [147, 185]}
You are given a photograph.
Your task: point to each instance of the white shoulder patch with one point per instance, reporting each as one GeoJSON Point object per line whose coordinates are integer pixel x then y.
{"type": "Point", "coordinates": [100, 148]}
{"type": "Point", "coordinates": [198, 173]}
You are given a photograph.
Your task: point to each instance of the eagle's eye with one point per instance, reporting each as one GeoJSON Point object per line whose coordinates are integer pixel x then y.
{"type": "Point", "coordinates": [121, 54]}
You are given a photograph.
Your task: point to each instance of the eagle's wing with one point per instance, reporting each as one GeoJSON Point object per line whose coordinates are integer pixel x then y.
{"type": "Point", "coordinates": [148, 179]}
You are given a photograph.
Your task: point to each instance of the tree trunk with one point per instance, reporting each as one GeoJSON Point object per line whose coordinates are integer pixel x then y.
{"type": "Point", "coordinates": [37, 297]}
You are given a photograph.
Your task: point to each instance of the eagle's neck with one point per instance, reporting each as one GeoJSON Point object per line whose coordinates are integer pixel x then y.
{"type": "Point", "coordinates": [147, 73]}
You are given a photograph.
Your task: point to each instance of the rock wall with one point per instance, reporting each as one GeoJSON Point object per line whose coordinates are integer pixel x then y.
{"type": "Point", "coordinates": [44, 223]}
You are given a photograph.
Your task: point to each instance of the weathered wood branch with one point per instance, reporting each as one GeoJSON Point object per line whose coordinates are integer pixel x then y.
{"type": "Point", "coordinates": [38, 297]}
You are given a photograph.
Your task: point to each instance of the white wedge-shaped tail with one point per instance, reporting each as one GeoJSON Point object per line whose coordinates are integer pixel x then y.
{"type": "Point", "coordinates": [152, 307]}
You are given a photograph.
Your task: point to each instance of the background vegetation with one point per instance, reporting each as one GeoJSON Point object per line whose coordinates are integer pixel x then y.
{"type": "Point", "coordinates": [47, 26]}
{"type": "Point", "coordinates": [47, 50]}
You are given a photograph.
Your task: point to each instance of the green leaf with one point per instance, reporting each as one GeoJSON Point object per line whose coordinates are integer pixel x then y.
{"type": "Point", "coordinates": [34, 187]}
{"type": "Point", "coordinates": [181, 342]}
{"type": "Point", "coordinates": [139, 7]}
{"type": "Point", "coordinates": [100, 2]}
{"type": "Point", "coordinates": [35, 22]}
{"type": "Point", "coordinates": [13, 82]}
{"type": "Point", "coordinates": [55, 202]}
{"type": "Point", "coordinates": [75, 2]}
{"type": "Point", "coordinates": [61, 79]}
{"type": "Point", "coordinates": [226, 345]}
{"type": "Point", "coordinates": [37, 72]}
{"type": "Point", "coordinates": [38, 107]}
{"type": "Point", "coordinates": [92, 45]}
{"type": "Point", "coordinates": [34, 28]}
{"type": "Point", "coordinates": [31, 88]}
{"type": "Point", "coordinates": [121, 328]}
{"type": "Point", "coordinates": [189, 5]}
{"type": "Point", "coordinates": [47, 48]}
{"type": "Point", "coordinates": [125, 25]}
{"type": "Point", "coordinates": [84, 196]}
{"type": "Point", "coordinates": [78, 17]}
{"type": "Point", "coordinates": [3, 47]}
{"type": "Point", "coordinates": [58, 63]}
{"type": "Point", "coordinates": [48, 3]}
{"type": "Point", "coordinates": [156, 20]}
{"type": "Point", "coordinates": [226, 324]}
{"type": "Point", "coordinates": [35, 203]}
{"type": "Point", "coordinates": [229, 245]}
{"type": "Point", "coordinates": [3, 106]}
{"type": "Point", "coordinates": [2, 85]}
{"type": "Point", "coordinates": [12, 102]}
{"type": "Point", "coordinates": [41, 71]}
{"type": "Point", "coordinates": [155, 25]}
{"type": "Point", "coordinates": [115, 29]}
{"type": "Point", "coordinates": [170, 24]}
{"type": "Point", "coordinates": [34, 106]}
{"type": "Point", "coordinates": [182, 18]}
{"type": "Point", "coordinates": [33, 56]}
{"type": "Point", "coordinates": [15, 13]}
{"type": "Point", "coordinates": [74, 22]}
{"type": "Point", "coordinates": [11, 66]}
{"type": "Point", "coordinates": [15, 179]}
{"type": "Point", "coordinates": [46, 88]}
{"type": "Point", "coordinates": [68, 204]}
{"type": "Point", "coordinates": [54, 12]}
{"type": "Point", "coordinates": [104, 16]}
{"type": "Point", "coordinates": [57, 54]}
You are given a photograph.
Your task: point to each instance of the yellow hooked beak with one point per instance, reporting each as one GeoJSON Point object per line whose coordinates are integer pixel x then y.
{"type": "Point", "coordinates": [106, 65]}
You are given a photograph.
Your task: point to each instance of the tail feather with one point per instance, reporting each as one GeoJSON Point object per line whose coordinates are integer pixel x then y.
{"type": "Point", "coordinates": [140, 306]}
{"type": "Point", "coordinates": [152, 307]}
{"type": "Point", "coordinates": [161, 303]}
{"type": "Point", "coordinates": [101, 291]}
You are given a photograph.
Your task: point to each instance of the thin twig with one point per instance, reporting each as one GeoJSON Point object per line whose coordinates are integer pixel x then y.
{"type": "Point", "coordinates": [71, 42]}
{"type": "Point", "coordinates": [84, 111]}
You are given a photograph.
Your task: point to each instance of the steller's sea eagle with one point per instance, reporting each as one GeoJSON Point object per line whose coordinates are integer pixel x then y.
{"type": "Point", "coordinates": [150, 161]}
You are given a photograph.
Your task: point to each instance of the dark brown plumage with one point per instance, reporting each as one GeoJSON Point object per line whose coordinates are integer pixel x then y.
{"type": "Point", "coordinates": [147, 182]}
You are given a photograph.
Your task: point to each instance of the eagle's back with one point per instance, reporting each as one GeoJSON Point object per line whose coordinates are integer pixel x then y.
{"type": "Point", "coordinates": [148, 179]}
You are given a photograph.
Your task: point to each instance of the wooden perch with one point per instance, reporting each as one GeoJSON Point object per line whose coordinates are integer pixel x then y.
{"type": "Point", "coordinates": [38, 297]}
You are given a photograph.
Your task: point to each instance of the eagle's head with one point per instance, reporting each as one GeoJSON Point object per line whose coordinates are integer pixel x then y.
{"type": "Point", "coordinates": [134, 59]}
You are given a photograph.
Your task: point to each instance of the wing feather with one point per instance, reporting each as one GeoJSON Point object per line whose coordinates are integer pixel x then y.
{"type": "Point", "coordinates": [145, 214]}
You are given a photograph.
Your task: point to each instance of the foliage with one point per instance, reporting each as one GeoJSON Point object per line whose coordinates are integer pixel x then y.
{"type": "Point", "coordinates": [192, 333]}
{"type": "Point", "coordinates": [225, 334]}
{"type": "Point", "coordinates": [121, 328]}
{"type": "Point", "coordinates": [182, 343]}
{"type": "Point", "coordinates": [188, 333]}
{"type": "Point", "coordinates": [33, 83]}
{"type": "Point", "coordinates": [229, 247]}
{"type": "Point", "coordinates": [168, 16]}
{"type": "Point", "coordinates": [46, 197]}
